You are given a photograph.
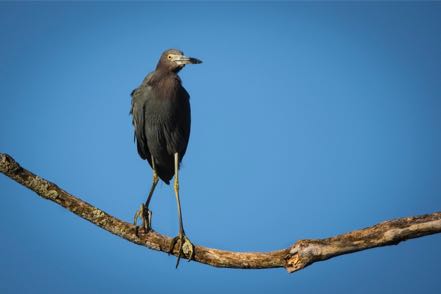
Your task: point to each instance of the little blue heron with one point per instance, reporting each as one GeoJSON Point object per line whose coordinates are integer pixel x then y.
{"type": "Point", "coordinates": [161, 119]}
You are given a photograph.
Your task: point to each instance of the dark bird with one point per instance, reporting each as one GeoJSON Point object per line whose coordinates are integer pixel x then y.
{"type": "Point", "coordinates": [161, 119]}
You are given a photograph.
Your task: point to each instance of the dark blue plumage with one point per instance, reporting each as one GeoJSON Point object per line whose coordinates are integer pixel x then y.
{"type": "Point", "coordinates": [162, 116]}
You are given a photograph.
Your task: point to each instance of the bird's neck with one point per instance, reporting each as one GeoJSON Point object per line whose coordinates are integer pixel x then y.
{"type": "Point", "coordinates": [161, 75]}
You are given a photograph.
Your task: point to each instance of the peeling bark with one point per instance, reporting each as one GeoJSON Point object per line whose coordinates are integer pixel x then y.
{"type": "Point", "coordinates": [294, 258]}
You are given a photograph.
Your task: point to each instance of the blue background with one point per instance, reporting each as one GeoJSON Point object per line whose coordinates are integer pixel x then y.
{"type": "Point", "coordinates": [309, 120]}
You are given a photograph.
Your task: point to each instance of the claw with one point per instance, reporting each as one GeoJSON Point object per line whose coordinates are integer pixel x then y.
{"type": "Point", "coordinates": [138, 214]}
{"type": "Point", "coordinates": [186, 248]}
{"type": "Point", "coordinates": [146, 216]}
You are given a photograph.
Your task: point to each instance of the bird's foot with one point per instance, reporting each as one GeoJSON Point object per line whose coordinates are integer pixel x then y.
{"type": "Point", "coordinates": [186, 248]}
{"type": "Point", "coordinates": [146, 216]}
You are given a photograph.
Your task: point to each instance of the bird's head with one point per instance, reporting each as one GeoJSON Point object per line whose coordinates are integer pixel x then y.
{"type": "Point", "coordinates": [175, 60]}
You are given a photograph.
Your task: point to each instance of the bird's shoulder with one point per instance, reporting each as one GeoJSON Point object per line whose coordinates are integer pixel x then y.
{"type": "Point", "coordinates": [159, 91]}
{"type": "Point", "coordinates": [145, 85]}
{"type": "Point", "coordinates": [157, 80]}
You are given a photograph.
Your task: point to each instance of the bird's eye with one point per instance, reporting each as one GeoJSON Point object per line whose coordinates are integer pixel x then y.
{"type": "Point", "coordinates": [169, 56]}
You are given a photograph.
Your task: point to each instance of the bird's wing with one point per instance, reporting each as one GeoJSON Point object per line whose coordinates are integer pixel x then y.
{"type": "Point", "coordinates": [185, 123]}
{"type": "Point", "coordinates": [138, 121]}
{"type": "Point", "coordinates": [178, 137]}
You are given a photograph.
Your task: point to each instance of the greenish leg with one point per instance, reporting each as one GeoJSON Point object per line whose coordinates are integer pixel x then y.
{"type": "Point", "coordinates": [186, 248]}
{"type": "Point", "coordinates": [144, 213]}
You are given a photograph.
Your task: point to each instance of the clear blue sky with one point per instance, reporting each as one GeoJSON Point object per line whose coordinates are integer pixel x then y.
{"type": "Point", "coordinates": [309, 120]}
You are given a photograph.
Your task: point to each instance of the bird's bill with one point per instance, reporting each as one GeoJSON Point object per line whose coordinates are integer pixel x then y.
{"type": "Point", "coordinates": [182, 59]}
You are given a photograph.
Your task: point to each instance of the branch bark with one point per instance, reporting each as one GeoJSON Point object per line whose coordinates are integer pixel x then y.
{"type": "Point", "coordinates": [298, 256]}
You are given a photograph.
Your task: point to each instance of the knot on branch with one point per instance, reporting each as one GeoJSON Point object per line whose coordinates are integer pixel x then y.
{"type": "Point", "coordinates": [302, 254]}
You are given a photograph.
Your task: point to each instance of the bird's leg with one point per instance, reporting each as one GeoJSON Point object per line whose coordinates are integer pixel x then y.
{"type": "Point", "coordinates": [186, 248]}
{"type": "Point", "coordinates": [144, 213]}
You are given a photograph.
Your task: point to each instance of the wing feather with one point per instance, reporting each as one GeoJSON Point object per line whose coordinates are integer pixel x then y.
{"type": "Point", "coordinates": [138, 121]}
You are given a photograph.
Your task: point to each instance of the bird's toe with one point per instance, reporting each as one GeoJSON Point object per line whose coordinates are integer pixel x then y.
{"type": "Point", "coordinates": [146, 217]}
{"type": "Point", "coordinates": [186, 248]}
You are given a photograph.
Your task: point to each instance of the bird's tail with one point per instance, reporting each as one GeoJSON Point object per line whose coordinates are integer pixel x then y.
{"type": "Point", "coordinates": [165, 173]}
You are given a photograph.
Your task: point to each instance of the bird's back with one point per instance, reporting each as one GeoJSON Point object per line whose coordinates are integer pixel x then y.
{"type": "Point", "coordinates": [161, 118]}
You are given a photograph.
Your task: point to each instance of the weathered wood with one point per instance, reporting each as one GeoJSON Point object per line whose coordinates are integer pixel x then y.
{"type": "Point", "coordinates": [305, 252]}
{"type": "Point", "coordinates": [298, 256]}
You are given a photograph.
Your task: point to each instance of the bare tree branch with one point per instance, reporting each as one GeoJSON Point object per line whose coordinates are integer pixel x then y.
{"type": "Point", "coordinates": [294, 258]}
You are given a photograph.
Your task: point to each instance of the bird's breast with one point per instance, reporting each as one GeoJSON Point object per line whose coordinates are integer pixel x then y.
{"type": "Point", "coordinates": [167, 89]}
